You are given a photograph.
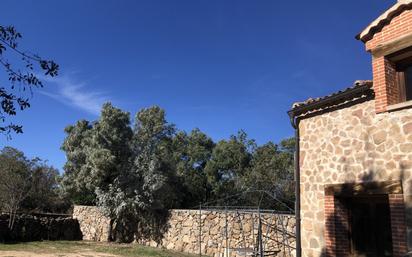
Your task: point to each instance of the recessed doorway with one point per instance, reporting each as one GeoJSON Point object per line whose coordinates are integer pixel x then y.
{"type": "Point", "coordinates": [370, 226]}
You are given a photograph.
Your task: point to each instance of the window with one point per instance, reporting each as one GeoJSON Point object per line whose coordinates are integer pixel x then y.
{"type": "Point", "coordinates": [404, 73]}
{"type": "Point", "coordinates": [403, 65]}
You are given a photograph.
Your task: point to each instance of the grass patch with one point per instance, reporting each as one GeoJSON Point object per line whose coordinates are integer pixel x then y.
{"type": "Point", "coordinates": [87, 248]}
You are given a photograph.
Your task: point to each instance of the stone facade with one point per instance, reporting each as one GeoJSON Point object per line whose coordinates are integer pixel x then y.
{"type": "Point", "coordinates": [352, 145]}
{"type": "Point", "coordinates": [185, 232]}
{"type": "Point", "coordinates": [93, 224]}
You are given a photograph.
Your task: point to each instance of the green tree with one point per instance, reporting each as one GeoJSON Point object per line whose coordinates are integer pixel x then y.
{"type": "Point", "coordinates": [77, 182]}
{"type": "Point", "coordinates": [44, 194]}
{"type": "Point", "coordinates": [192, 152]}
{"type": "Point", "coordinates": [28, 185]}
{"type": "Point", "coordinates": [152, 155]}
{"type": "Point", "coordinates": [14, 182]}
{"type": "Point", "coordinates": [21, 75]}
{"type": "Point", "coordinates": [133, 171]}
{"type": "Point", "coordinates": [270, 178]}
{"type": "Point", "coordinates": [108, 158]}
{"type": "Point", "coordinates": [154, 168]}
{"type": "Point", "coordinates": [229, 162]}
{"type": "Point", "coordinates": [109, 150]}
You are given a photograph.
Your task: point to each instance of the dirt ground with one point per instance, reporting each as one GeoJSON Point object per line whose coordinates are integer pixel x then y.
{"type": "Point", "coordinates": [83, 249]}
{"type": "Point", "coordinates": [60, 254]}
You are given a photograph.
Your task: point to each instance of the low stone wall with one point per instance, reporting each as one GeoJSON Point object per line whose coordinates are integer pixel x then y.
{"type": "Point", "coordinates": [35, 228]}
{"type": "Point", "coordinates": [187, 234]}
{"type": "Point", "coordinates": [93, 224]}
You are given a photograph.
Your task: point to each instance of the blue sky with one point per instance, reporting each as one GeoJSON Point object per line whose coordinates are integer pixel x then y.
{"type": "Point", "coordinates": [218, 65]}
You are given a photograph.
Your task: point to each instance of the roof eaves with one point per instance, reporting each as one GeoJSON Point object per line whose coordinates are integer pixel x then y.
{"type": "Point", "coordinates": [374, 27]}
{"type": "Point", "coordinates": [360, 89]}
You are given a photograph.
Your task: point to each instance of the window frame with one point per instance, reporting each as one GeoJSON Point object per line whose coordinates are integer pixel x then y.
{"type": "Point", "coordinates": [402, 60]}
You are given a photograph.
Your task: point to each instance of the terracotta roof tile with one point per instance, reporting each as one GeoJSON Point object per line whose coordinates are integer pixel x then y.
{"type": "Point", "coordinates": [359, 89]}
{"type": "Point", "coordinates": [384, 19]}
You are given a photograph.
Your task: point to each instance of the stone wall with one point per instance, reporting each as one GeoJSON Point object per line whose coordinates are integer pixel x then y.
{"type": "Point", "coordinates": [93, 224]}
{"type": "Point", "coordinates": [39, 227]}
{"type": "Point", "coordinates": [185, 232]}
{"type": "Point", "coordinates": [348, 145]}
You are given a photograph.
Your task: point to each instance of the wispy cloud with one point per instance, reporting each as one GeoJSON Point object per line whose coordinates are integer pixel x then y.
{"type": "Point", "coordinates": [75, 93]}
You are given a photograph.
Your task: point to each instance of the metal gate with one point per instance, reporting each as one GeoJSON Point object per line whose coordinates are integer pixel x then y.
{"type": "Point", "coordinates": [247, 231]}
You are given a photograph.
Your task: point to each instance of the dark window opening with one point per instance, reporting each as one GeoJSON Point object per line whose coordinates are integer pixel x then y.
{"type": "Point", "coordinates": [370, 227]}
{"type": "Point", "coordinates": [403, 65]}
{"type": "Point", "coordinates": [405, 83]}
{"type": "Point", "coordinates": [408, 83]}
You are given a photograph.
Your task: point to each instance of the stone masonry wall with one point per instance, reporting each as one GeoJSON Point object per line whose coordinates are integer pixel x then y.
{"type": "Point", "coordinates": [93, 224]}
{"type": "Point", "coordinates": [352, 144]}
{"type": "Point", "coordinates": [184, 231]}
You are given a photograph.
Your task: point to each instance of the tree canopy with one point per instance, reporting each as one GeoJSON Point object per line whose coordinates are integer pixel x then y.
{"type": "Point", "coordinates": [77, 181]}
{"type": "Point", "coordinates": [28, 185]}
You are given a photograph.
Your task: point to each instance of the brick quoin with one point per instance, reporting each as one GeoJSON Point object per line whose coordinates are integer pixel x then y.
{"type": "Point", "coordinates": [384, 81]}
{"type": "Point", "coordinates": [336, 228]}
{"type": "Point", "coordinates": [398, 224]}
{"type": "Point", "coordinates": [330, 241]}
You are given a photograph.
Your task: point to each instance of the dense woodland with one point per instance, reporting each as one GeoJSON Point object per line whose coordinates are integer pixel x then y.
{"type": "Point", "coordinates": [150, 160]}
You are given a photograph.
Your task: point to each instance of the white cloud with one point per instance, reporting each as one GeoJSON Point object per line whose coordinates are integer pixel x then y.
{"type": "Point", "coordinates": [75, 93]}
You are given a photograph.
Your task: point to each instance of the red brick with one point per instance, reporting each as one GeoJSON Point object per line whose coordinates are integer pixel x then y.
{"type": "Point", "coordinates": [384, 74]}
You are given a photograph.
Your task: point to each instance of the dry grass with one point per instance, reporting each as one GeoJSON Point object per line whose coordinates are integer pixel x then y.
{"type": "Point", "coordinates": [83, 249]}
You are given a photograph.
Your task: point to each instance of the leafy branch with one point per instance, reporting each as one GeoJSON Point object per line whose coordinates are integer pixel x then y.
{"type": "Point", "coordinates": [24, 78]}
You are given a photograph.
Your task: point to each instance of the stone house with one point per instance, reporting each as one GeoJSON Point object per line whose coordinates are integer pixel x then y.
{"type": "Point", "coordinates": [354, 153]}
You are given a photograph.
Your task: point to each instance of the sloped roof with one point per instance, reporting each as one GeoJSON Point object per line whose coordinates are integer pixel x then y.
{"type": "Point", "coordinates": [384, 19]}
{"type": "Point", "coordinates": [359, 89]}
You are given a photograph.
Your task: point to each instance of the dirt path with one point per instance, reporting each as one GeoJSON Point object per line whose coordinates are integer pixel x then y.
{"type": "Point", "coordinates": [61, 254]}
